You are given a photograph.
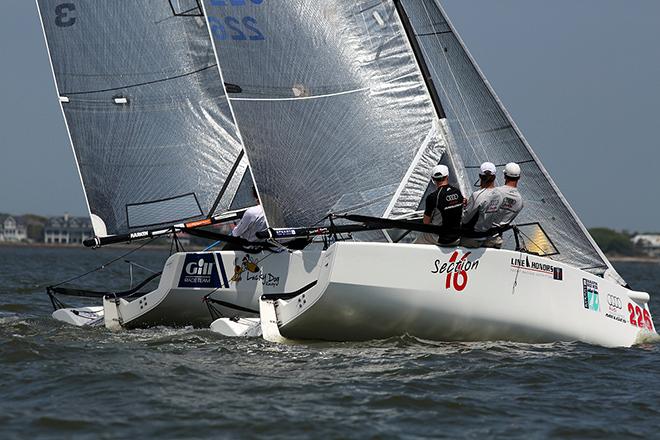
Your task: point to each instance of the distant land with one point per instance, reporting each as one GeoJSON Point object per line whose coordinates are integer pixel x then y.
{"type": "Point", "coordinates": [67, 230]}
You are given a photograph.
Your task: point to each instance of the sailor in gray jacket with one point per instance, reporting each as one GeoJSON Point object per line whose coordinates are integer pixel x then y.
{"type": "Point", "coordinates": [481, 207]}
{"type": "Point", "coordinates": [492, 207]}
{"type": "Point", "coordinates": [512, 202]}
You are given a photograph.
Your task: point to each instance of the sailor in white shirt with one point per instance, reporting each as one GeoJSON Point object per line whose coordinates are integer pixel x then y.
{"type": "Point", "coordinates": [253, 221]}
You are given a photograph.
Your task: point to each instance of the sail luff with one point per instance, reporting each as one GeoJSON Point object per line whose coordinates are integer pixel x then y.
{"type": "Point", "coordinates": [99, 229]}
{"type": "Point", "coordinates": [528, 146]}
{"type": "Point", "coordinates": [231, 107]}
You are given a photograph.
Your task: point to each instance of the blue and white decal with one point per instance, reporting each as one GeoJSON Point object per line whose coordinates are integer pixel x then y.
{"type": "Point", "coordinates": [203, 271]}
{"type": "Point", "coordinates": [590, 295]}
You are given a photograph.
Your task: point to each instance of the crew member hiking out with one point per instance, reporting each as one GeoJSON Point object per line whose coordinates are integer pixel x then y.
{"type": "Point", "coordinates": [443, 208]}
{"type": "Point", "coordinates": [482, 205]}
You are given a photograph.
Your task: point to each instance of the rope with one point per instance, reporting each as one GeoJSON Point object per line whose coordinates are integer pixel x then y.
{"type": "Point", "coordinates": [103, 266]}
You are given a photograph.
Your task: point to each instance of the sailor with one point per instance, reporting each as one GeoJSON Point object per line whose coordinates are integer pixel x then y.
{"type": "Point", "coordinates": [443, 208]}
{"type": "Point", "coordinates": [480, 208]}
{"type": "Point", "coordinates": [253, 221]}
{"type": "Point", "coordinates": [512, 202]}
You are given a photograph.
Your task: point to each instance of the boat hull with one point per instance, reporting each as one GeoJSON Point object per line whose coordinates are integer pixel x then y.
{"type": "Point", "coordinates": [372, 291]}
{"type": "Point", "coordinates": [232, 281]}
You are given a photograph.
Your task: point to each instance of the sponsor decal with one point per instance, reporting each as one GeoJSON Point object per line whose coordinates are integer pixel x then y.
{"type": "Point", "coordinates": [250, 268]}
{"type": "Point", "coordinates": [537, 268]}
{"type": "Point", "coordinates": [456, 270]}
{"type": "Point", "coordinates": [267, 279]}
{"type": "Point", "coordinates": [509, 203]}
{"type": "Point", "coordinates": [200, 270]}
{"type": "Point", "coordinates": [590, 295]}
{"type": "Point", "coordinates": [247, 264]}
{"type": "Point", "coordinates": [640, 317]}
{"type": "Point", "coordinates": [615, 308]}
{"type": "Point", "coordinates": [451, 197]}
{"type": "Point", "coordinates": [494, 206]}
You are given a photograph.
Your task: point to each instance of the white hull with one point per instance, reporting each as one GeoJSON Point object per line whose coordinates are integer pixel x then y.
{"type": "Point", "coordinates": [362, 291]}
{"type": "Point", "coordinates": [372, 291]}
{"type": "Point", "coordinates": [189, 277]}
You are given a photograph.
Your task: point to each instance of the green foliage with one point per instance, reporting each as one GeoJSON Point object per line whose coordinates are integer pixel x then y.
{"type": "Point", "coordinates": [613, 242]}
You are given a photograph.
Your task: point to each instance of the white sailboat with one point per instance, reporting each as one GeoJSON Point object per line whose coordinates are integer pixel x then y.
{"type": "Point", "coordinates": [344, 107]}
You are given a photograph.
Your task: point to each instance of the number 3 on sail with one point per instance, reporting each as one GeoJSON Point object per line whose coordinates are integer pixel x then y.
{"type": "Point", "coordinates": [63, 15]}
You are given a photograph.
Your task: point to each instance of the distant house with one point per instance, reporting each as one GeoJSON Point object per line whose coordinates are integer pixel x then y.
{"type": "Point", "coordinates": [649, 242]}
{"type": "Point", "coordinates": [67, 230]}
{"type": "Point", "coordinates": [12, 229]}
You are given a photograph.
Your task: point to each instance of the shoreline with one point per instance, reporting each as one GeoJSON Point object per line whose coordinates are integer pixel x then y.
{"type": "Point", "coordinates": [79, 246]}
{"type": "Point", "coordinates": [622, 259]}
{"type": "Point", "coordinates": [613, 258]}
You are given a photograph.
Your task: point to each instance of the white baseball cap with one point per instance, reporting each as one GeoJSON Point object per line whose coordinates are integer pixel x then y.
{"type": "Point", "coordinates": [487, 168]}
{"type": "Point", "coordinates": [512, 169]}
{"type": "Point", "coordinates": [440, 172]}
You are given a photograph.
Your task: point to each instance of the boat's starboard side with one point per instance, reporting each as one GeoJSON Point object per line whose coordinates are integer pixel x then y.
{"type": "Point", "coordinates": [372, 290]}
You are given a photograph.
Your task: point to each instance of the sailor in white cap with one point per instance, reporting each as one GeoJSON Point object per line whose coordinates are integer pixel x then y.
{"type": "Point", "coordinates": [480, 208]}
{"type": "Point", "coordinates": [512, 202]}
{"type": "Point", "coordinates": [443, 208]}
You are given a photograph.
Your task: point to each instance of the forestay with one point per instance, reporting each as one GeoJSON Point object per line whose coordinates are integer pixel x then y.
{"type": "Point", "coordinates": [483, 131]}
{"type": "Point", "coordinates": [146, 110]}
{"type": "Point", "coordinates": [331, 105]}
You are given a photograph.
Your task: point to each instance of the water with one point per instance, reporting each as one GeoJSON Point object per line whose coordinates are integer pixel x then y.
{"type": "Point", "coordinates": [57, 381]}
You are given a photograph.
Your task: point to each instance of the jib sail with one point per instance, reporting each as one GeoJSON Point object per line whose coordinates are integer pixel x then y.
{"type": "Point", "coordinates": [482, 130]}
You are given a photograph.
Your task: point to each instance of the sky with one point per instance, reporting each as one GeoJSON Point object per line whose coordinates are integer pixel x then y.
{"type": "Point", "coordinates": [581, 78]}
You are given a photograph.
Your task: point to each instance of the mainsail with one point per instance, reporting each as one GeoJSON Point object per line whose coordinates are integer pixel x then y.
{"type": "Point", "coordinates": [146, 110]}
{"type": "Point", "coordinates": [330, 103]}
{"type": "Point", "coordinates": [482, 131]}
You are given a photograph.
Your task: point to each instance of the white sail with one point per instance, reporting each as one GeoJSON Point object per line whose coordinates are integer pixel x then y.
{"type": "Point", "coordinates": [146, 110]}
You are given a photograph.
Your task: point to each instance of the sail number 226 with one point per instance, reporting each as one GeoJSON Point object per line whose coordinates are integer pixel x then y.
{"type": "Point", "coordinates": [642, 318]}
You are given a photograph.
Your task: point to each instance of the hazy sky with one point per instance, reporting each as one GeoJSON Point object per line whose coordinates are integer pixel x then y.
{"type": "Point", "coordinates": [580, 77]}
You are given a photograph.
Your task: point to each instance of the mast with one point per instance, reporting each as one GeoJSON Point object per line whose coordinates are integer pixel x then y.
{"type": "Point", "coordinates": [417, 50]}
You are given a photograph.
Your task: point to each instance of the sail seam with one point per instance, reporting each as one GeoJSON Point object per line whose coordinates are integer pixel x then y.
{"type": "Point", "coordinates": [302, 98]}
{"type": "Point", "coordinates": [326, 95]}
{"type": "Point", "coordinates": [139, 84]}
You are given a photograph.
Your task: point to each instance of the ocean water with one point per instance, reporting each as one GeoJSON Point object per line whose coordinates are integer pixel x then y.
{"type": "Point", "coordinates": [57, 381]}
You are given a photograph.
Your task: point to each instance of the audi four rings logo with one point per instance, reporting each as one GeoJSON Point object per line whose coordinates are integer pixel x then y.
{"type": "Point", "coordinates": [452, 197]}
{"type": "Point", "coordinates": [614, 301]}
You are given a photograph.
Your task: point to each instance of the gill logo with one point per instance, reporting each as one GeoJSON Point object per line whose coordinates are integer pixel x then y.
{"type": "Point", "coordinates": [200, 267]}
{"type": "Point", "coordinates": [456, 270]}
